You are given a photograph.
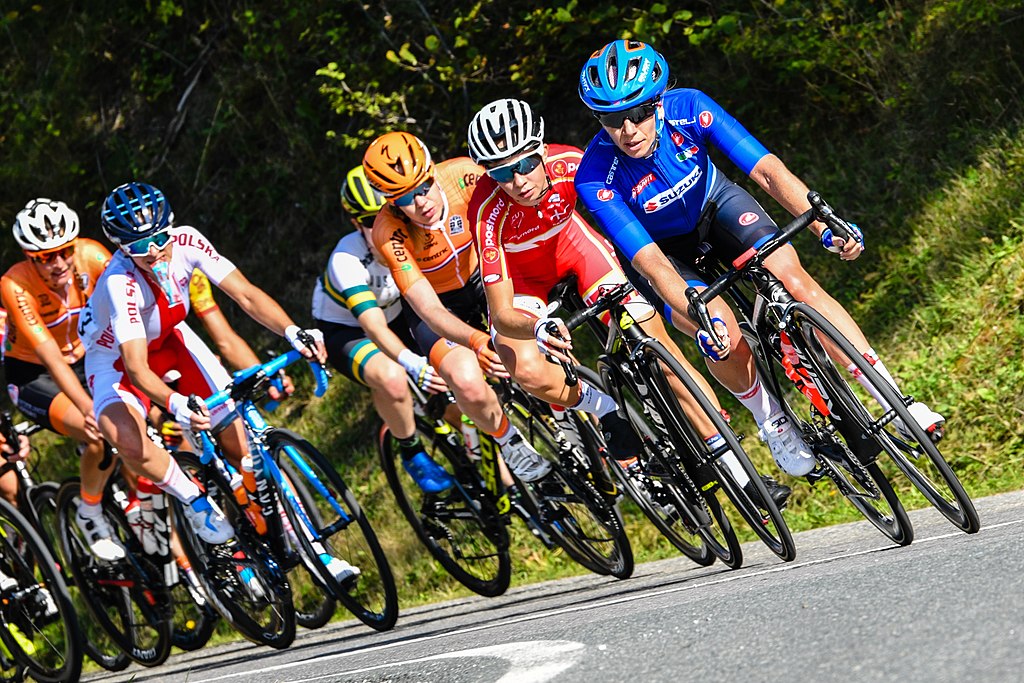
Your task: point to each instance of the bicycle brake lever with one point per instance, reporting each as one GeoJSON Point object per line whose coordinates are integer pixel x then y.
{"type": "Point", "coordinates": [698, 311]}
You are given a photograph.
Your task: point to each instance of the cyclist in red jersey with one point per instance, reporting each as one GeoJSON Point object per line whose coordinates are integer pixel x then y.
{"type": "Point", "coordinates": [530, 237]}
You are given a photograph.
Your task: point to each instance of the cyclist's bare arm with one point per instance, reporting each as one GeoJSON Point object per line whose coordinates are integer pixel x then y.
{"type": "Point", "coordinates": [424, 300]}
{"type": "Point", "coordinates": [375, 325]}
{"type": "Point", "coordinates": [261, 307]}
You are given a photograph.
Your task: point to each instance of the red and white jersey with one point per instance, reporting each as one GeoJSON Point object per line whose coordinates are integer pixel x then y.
{"type": "Point", "coordinates": [127, 305]}
{"type": "Point", "coordinates": [505, 230]}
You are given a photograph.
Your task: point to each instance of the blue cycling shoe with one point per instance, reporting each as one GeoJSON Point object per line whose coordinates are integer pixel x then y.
{"type": "Point", "coordinates": [427, 474]}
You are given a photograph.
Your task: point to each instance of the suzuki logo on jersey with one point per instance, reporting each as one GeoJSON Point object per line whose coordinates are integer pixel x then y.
{"type": "Point", "coordinates": [644, 182]}
{"type": "Point", "coordinates": [605, 195]}
{"type": "Point", "coordinates": [687, 153]}
{"type": "Point", "coordinates": [706, 119]}
{"type": "Point", "coordinates": [749, 218]}
{"type": "Point", "coordinates": [663, 199]}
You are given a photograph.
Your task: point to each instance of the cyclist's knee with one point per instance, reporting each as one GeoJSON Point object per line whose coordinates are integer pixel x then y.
{"type": "Point", "coordinates": [467, 381]}
{"type": "Point", "coordinates": [389, 379]}
{"type": "Point", "coordinates": [535, 374]}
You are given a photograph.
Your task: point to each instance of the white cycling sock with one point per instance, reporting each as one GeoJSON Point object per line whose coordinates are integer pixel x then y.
{"type": "Point", "coordinates": [880, 368]}
{"type": "Point", "coordinates": [759, 402]}
{"type": "Point", "coordinates": [594, 401]}
{"type": "Point", "coordinates": [729, 458]}
{"type": "Point", "coordinates": [179, 484]}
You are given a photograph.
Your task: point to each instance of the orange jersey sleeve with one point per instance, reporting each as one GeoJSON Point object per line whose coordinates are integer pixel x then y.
{"type": "Point", "coordinates": [36, 314]}
{"type": "Point", "coordinates": [442, 253]}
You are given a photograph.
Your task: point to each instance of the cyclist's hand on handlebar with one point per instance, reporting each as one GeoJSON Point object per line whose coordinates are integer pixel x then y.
{"type": "Point", "coordinates": [489, 360]}
{"type": "Point", "coordinates": [707, 344]}
{"type": "Point", "coordinates": [189, 411]}
{"type": "Point", "coordinates": [9, 453]}
{"type": "Point", "coordinates": [286, 390]}
{"type": "Point", "coordinates": [553, 338]}
{"type": "Point", "coordinates": [848, 250]}
{"type": "Point", "coordinates": [422, 372]}
{"type": "Point", "coordinates": [310, 343]}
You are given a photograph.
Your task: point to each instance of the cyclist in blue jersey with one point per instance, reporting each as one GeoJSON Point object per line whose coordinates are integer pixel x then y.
{"type": "Point", "coordinates": [649, 183]}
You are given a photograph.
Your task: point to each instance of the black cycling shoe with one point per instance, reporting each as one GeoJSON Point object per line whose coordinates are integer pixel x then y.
{"type": "Point", "coordinates": [622, 441]}
{"type": "Point", "coordinates": [779, 493]}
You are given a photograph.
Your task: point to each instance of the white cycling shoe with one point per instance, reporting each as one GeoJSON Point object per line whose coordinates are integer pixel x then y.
{"type": "Point", "coordinates": [342, 571]}
{"type": "Point", "coordinates": [791, 452]}
{"type": "Point", "coordinates": [208, 521]}
{"type": "Point", "coordinates": [99, 537]}
{"type": "Point", "coordinates": [930, 421]}
{"type": "Point", "coordinates": [525, 462]}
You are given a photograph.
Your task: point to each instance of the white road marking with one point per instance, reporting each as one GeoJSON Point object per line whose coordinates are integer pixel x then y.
{"type": "Point", "coordinates": [738, 576]}
{"type": "Point", "coordinates": [532, 661]}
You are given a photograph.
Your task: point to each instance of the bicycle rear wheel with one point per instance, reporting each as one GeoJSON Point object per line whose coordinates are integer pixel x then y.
{"type": "Point", "coordinates": [128, 599]}
{"type": "Point", "coordinates": [696, 519]}
{"type": "Point", "coordinates": [39, 625]}
{"type": "Point", "coordinates": [314, 604]}
{"type": "Point", "coordinates": [461, 527]}
{"type": "Point", "coordinates": [342, 531]}
{"type": "Point", "coordinates": [96, 642]}
{"type": "Point", "coordinates": [921, 462]}
{"type": "Point", "coordinates": [759, 510]}
{"type": "Point", "coordinates": [586, 523]}
{"type": "Point", "coordinates": [242, 578]}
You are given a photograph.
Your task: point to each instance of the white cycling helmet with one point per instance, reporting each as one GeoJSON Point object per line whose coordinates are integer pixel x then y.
{"type": "Point", "coordinates": [45, 224]}
{"type": "Point", "coordinates": [503, 129]}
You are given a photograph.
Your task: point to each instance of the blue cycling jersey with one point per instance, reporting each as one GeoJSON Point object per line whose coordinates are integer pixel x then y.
{"type": "Point", "coordinates": [640, 201]}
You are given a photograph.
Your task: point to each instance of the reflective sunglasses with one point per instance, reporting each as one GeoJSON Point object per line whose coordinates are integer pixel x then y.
{"type": "Point", "coordinates": [410, 196]}
{"type": "Point", "coordinates": [506, 174]}
{"type": "Point", "coordinates": [141, 247]}
{"type": "Point", "coordinates": [46, 258]}
{"type": "Point", "coordinates": [637, 115]}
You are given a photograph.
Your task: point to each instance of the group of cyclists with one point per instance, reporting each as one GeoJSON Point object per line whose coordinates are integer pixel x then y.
{"type": "Point", "coordinates": [442, 281]}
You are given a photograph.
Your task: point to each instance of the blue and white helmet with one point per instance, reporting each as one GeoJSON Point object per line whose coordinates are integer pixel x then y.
{"type": "Point", "coordinates": [622, 74]}
{"type": "Point", "coordinates": [133, 211]}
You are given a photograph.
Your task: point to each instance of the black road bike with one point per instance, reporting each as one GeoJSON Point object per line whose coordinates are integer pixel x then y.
{"type": "Point", "coordinates": [845, 426]}
{"type": "Point", "coordinates": [683, 473]}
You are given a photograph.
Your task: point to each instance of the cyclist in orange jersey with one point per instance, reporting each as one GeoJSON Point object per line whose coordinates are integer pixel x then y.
{"type": "Point", "coordinates": [424, 238]}
{"type": "Point", "coordinates": [524, 218]}
{"type": "Point", "coordinates": [43, 356]}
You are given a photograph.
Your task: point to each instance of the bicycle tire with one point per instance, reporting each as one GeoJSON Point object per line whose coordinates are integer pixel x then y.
{"type": "Point", "coordinates": [314, 604]}
{"type": "Point", "coordinates": [50, 647]}
{"type": "Point", "coordinates": [96, 643]}
{"type": "Point", "coordinates": [461, 528]}
{"type": "Point", "coordinates": [679, 489]}
{"type": "Point", "coordinates": [763, 516]}
{"type": "Point", "coordinates": [127, 598]}
{"type": "Point", "coordinates": [690, 545]}
{"type": "Point", "coordinates": [343, 531]}
{"type": "Point", "coordinates": [585, 523]}
{"type": "Point", "coordinates": [956, 505]}
{"type": "Point", "coordinates": [241, 578]}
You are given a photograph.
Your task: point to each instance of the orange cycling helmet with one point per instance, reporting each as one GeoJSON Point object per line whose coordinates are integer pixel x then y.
{"type": "Point", "coordinates": [396, 163]}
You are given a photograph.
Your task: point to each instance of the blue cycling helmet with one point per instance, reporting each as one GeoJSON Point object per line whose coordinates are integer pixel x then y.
{"type": "Point", "coordinates": [133, 211]}
{"type": "Point", "coordinates": [622, 74]}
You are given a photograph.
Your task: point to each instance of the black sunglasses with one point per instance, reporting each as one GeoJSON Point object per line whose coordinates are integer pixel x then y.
{"type": "Point", "coordinates": [636, 115]}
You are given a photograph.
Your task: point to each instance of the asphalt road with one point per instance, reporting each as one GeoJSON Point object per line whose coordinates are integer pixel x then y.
{"type": "Point", "coordinates": [851, 607]}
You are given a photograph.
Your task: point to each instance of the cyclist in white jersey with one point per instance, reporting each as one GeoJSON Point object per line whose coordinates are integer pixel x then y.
{"type": "Point", "coordinates": [134, 332]}
{"type": "Point", "coordinates": [358, 307]}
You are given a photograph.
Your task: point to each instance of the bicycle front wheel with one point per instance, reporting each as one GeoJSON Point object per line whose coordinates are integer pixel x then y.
{"type": "Point", "coordinates": [39, 625]}
{"type": "Point", "coordinates": [339, 530]}
{"type": "Point", "coordinates": [128, 599]}
{"type": "Point", "coordinates": [728, 468]}
{"type": "Point", "coordinates": [461, 528]}
{"type": "Point", "coordinates": [918, 457]}
{"type": "Point", "coordinates": [96, 642]}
